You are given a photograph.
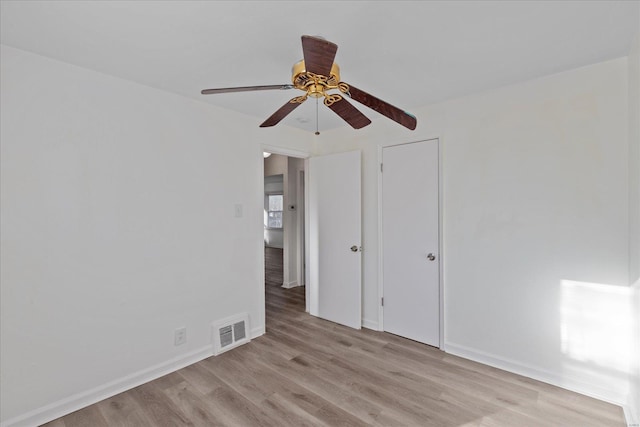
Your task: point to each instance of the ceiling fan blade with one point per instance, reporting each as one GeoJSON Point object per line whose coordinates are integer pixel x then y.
{"type": "Point", "coordinates": [396, 114]}
{"type": "Point", "coordinates": [318, 55]}
{"type": "Point", "coordinates": [245, 89]}
{"type": "Point", "coordinates": [283, 112]}
{"type": "Point", "coordinates": [348, 112]}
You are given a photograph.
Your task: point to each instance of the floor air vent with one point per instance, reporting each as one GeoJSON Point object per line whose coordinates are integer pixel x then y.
{"type": "Point", "coordinates": [230, 332]}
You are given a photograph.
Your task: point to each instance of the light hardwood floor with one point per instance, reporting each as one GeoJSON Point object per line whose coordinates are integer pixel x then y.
{"type": "Point", "coordinates": [308, 372]}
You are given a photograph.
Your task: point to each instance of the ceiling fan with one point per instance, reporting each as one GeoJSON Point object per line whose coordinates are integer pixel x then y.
{"type": "Point", "coordinates": [316, 75]}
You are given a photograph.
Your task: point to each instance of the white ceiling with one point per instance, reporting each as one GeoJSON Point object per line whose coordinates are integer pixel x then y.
{"type": "Point", "coordinates": [408, 53]}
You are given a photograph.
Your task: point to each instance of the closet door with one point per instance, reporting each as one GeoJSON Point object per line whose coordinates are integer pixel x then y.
{"type": "Point", "coordinates": [410, 241]}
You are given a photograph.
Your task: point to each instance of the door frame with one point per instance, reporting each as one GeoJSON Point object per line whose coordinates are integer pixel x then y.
{"type": "Point", "coordinates": [274, 149]}
{"type": "Point", "coordinates": [440, 234]}
{"type": "Point", "coordinates": [302, 224]}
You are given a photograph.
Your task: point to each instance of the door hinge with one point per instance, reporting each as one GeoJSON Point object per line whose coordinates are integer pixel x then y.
{"type": "Point", "coordinates": [382, 301]}
{"type": "Point", "coordinates": [380, 167]}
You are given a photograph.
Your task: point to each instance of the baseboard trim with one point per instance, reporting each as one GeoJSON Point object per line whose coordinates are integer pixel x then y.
{"type": "Point", "coordinates": [370, 324]}
{"type": "Point", "coordinates": [571, 384]}
{"type": "Point", "coordinates": [80, 400]}
{"type": "Point", "coordinates": [290, 284]}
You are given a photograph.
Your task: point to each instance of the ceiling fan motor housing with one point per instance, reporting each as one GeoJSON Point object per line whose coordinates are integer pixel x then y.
{"type": "Point", "coordinates": [314, 85]}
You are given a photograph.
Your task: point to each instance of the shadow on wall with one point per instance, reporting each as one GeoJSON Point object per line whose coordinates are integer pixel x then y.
{"type": "Point", "coordinates": [597, 329]}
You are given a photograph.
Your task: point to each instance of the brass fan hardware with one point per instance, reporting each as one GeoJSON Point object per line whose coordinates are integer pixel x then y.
{"type": "Point", "coordinates": [314, 84]}
{"type": "Point", "coordinates": [316, 75]}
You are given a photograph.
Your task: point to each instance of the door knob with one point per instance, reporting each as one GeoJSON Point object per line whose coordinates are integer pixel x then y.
{"type": "Point", "coordinates": [431, 257]}
{"type": "Point", "coordinates": [354, 248]}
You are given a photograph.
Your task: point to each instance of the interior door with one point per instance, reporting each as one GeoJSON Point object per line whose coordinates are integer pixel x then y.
{"type": "Point", "coordinates": [411, 242]}
{"type": "Point", "coordinates": [335, 237]}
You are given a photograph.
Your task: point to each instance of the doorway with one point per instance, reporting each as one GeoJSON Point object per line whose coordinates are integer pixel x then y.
{"type": "Point", "coordinates": [410, 194]}
{"type": "Point", "coordinates": [328, 231]}
{"type": "Point", "coordinates": [284, 225]}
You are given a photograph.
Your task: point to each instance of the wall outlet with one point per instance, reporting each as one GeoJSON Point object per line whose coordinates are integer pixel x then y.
{"type": "Point", "coordinates": [180, 336]}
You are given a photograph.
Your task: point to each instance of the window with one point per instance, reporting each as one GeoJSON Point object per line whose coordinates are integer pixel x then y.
{"type": "Point", "coordinates": [274, 217]}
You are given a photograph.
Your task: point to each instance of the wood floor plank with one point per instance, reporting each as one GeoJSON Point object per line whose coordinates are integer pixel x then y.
{"type": "Point", "coordinates": [241, 380]}
{"type": "Point", "coordinates": [89, 416]}
{"type": "Point", "coordinates": [332, 391]}
{"type": "Point", "coordinates": [193, 404]}
{"type": "Point", "coordinates": [306, 371]}
{"type": "Point", "coordinates": [55, 423]}
{"type": "Point", "coordinates": [260, 384]}
{"type": "Point", "coordinates": [200, 378]}
{"type": "Point", "coordinates": [158, 407]}
{"type": "Point", "coordinates": [288, 412]}
{"type": "Point", "coordinates": [425, 394]}
{"type": "Point", "coordinates": [363, 386]}
{"type": "Point", "coordinates": [122, 410]}
{"type": "Point", "coordinates": [236, 409]}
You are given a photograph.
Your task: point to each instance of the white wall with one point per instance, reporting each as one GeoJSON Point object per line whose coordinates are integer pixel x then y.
{"type": "Point", "coordinates": [117, 206]}
{"type": "Point", "coordinates": [634, 214]}
{"type": "Point", "coordinates": [275, 164]}
{"type": "Point", "coordinates": [634, 158]}
{"type": "Point", "coordinates": [535, 224]}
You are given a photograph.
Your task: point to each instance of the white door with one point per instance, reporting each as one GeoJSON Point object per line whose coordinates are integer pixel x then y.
{"type": "Point", "coordinates": [334, 238]}
{"type": "Point", "coordinates": [410, 241]}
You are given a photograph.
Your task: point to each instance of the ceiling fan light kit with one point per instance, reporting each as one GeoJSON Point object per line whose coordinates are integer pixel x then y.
{"type": "Point", "coordinates": [316, 75]}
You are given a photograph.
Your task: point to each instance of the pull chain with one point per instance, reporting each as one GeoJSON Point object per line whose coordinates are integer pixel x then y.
{"type": "Point", "coordinates": [317, 131]}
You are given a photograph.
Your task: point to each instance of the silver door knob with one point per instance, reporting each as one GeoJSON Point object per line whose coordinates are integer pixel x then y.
{"type": "Point", "coordinates": [431, 257]}
{"type": "Point", "coordinates": [354, 248]}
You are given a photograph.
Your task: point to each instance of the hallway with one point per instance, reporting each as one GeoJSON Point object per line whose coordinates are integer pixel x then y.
{"type": "Point", "coordinates": [282, 305]}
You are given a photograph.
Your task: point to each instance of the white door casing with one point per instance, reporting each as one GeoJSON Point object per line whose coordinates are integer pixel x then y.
{"type": "Point", "coordinates": [334, 210]}
{"type": "Point", "coordinates": [410, 241]}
